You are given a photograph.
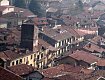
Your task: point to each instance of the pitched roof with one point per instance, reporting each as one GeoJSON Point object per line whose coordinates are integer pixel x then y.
{"type": "Point", "coordinates": [70, 20]}
{"type": "Point", "coordinates": [93, 47]}
{"type": "Point", "coordinates": [18, 13]}
{"type": "Point", "coordinates": [11, 55]}
{"type": "Point", "coordinates": [65, 77]}
{"type": "Point", "coordinates": [57, 33]}
{"type": "Point", "coordinates": [101, 62]}
{"type": "Point", "coordinates": [59, 70]}
{"type": "Point", "coordinates": [97, 39]}
{"type": "Point", "coordinates": [8, 75]}
{"type": "Point", "coordinates": [46, 45]}
{"type": "Point", "coordinates": [84, 56]}
{"type": "Point", "coordinates": [21, 69]}
{"type": "Point", "coordinates": [24, 12]}
{"type": "Point", "coordinates": [2, 8]}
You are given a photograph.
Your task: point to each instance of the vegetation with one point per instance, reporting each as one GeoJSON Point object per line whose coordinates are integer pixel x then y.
{"type": "Point", "coordinates": [32, 5]}
{"type": "Point", "coordinates": [79, 5]}
{"type": "Point", "coordinates": [19, 3]}
{"type": "Point", "coordinates": [36, 8]}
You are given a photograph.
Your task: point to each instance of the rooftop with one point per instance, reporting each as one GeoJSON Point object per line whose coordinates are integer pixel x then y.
{"type": "Point", "coordinates": [94, 48]}
{"type": "Point", "coordinates": [11, 55]}
{"type": "Point", "coordinates": [8, 75]}
{"type": "Point", "coordinates": [84, 56]}
{"type": "Point", "coordinates": [22, 69]}
{"type": "Point", "coordinates": [60, 70]}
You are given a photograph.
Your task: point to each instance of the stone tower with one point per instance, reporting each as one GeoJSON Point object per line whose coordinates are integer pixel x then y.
{"type": "Point", "coordinates": [29, 36]}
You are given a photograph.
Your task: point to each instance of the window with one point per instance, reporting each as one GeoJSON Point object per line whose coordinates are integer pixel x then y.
{"type": "Point", "coordinates": [30, 64]}
{"type": "Point", "coordinates": [62, 42]}
{"type": "Point", "coordinates": [27, 58]}
{"type": "Point", "coordinates": [12, 63]}
{"type": "Point", "coordinates": [59, 43]}
{"type": "Point", "coordinates": [38, 57]}
{"type": "Point", "coordinates": [24, 59]}
{"type": "Point", "coordinates": [41, 55]}
{"type": "Point", "coordinates": [38, 66]}
{"type": "Point", "coordinates": [67, 40]}
{"type": "Point", "coordinates": [34, 55]}
{"type": "Point", "coordinates": [31, 56]}
{"type": "Point", "coordinates": [16, 62]}
{"type": "Point", "coordinates": [20, 60]}
{"type": "Point", "coordinates": [59, 52]}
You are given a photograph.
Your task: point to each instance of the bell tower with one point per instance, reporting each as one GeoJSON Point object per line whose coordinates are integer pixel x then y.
{"type": "Point", "coordinates": [29, 36]}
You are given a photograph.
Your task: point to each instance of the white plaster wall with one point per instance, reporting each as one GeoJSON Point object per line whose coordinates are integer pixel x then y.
{"type": "Point", "coordinates": [4, 3]}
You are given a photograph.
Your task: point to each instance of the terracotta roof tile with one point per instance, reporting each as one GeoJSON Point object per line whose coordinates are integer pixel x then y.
{"type": "Point", "coordinates": [93, 47]}
{"type": "Point", "coordinates": [11, 55]}
{"type": "Point", "coordinates": [101, 62]}
{"type": "Point", "coordinates": [2, 8]}
{"type": "Point", "coordinates": [8, 75]}
{"type": "Point", "coordinates": [65, 77]}
{"type": "Point", "coordinates": [21, 69]}
{"type": "Point", "coordinates": [57, 70]}
{"type": "Point", "coordinates": [84, 56]}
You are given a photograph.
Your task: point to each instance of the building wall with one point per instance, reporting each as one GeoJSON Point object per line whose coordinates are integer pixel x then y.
{"type": "Point", "coordinates": [3, 25]}
{"type": "Point", "coordinates": [71, 61]}
{"type": "Point", "coordinates": [8, 9]}
{"type": "Point", "coordinates": [84, 64]}
{"type": "Point", "coordinates": [4, 3]}
{"type": "Point", "coordinates": [67, 60]}
{"type": "Point", "coordinates": [38, 60]}
{"type": "Point", "coordinates": [30, 60]}
{"type": "Point", "coordinates": [34, 76]}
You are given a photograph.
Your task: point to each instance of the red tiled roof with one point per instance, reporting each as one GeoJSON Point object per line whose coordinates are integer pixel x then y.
{"type": "Point", "coordinates": [57, 70]}
{"type": "Point", "coordinates": [8, 75]}
{"type": "Point", "coordinates": [80, 32]}
{"type": "Point", "coordinates": [21, 69]}
{"type": "Point", "coordinates": [2, 55]}
{"type": "Point", "coordinates": [70, 20]}
{"type": "Point", "coordinates": [97, 14]}
{"type": "Point", "coordinates": [2, 8]}
{"type": "Point", "coordinates": [96, 39]}
{"type": "Point", "coordinates": [93, 47]}
{"type": "Point", "coordinates": [40, 21]}
{"type": "Point", "coordinates": [24, 12]}
{"type": "Point", "coordinates": [84, 56]}
{"type": "Point", "coordinates": [11, 55]}
{"type": "Point", "coordinates": [65, 77]}
{"type": "Point", "coordinates": [46, 45]}
{"type": "Point", "coordinates": [86, 71]}
{"type": "Point", "coordinates": [101, 62]}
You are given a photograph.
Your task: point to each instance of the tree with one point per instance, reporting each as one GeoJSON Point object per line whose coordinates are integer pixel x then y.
{"type": "Point", "coordinates": [36, 8]}
{"type": "Point", "coordinates": [19, 3]}
{"type": "Point", "coordinates": [79, 4]}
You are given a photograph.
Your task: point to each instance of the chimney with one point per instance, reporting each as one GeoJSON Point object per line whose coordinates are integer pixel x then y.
{"type": "Point", "coordinates": [27, 51]}
{"type": "Point", "coordinates": [89, 45]}
{"type": "Point", "coordinates": [58, 31]}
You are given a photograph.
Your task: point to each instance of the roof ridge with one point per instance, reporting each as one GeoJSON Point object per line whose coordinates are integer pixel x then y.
{"type": "Point", "coordinates": [6, 55]}
{"type": "Point", "coordinates": [75, 31]}
{"type": "Point", "coordinates": [12, 72]}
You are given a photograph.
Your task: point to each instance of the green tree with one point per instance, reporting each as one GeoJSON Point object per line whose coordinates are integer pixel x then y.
{"type": "Point", "coordinates": [79, 4]}
{"type": "Point", "coordinates": [36, 8]}
{"type": "Point", "coordinates": [19, 3]}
